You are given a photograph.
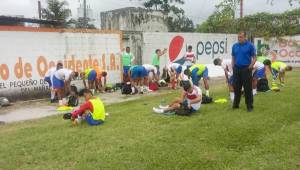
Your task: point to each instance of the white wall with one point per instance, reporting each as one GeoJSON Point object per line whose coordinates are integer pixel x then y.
{"type": "Point", "coordinates": [287, 48]}
{"type": "Point", "coordinates": [206, 47]}
{"type": "Point", "coordinates": [28, 53]}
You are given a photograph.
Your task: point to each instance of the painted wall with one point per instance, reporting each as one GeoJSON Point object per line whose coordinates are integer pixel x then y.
{"type": "Point", "coordinates": [27, 54]}
{"type": "Point", "coordinates": [206, 47]}
{"type": "Point", "coordinates": [286, 48]}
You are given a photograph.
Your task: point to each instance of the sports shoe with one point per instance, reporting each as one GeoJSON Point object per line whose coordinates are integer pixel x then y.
{"type": "Point", "coordinates": [163, 107]}
{"type": "Point", "coordinates": [157, 110]}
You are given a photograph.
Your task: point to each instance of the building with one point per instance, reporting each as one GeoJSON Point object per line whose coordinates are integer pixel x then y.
{"type": "Point", "coordinates": [133, 22]}
{"type": "Point", "coordinates": [134, 19]}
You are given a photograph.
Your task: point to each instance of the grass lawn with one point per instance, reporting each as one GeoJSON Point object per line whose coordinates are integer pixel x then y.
{"type": "Point", "coordinates": [134, 137]}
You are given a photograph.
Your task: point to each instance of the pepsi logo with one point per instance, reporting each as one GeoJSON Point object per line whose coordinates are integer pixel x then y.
{"type": "Point", "coordinates": [175, 47]}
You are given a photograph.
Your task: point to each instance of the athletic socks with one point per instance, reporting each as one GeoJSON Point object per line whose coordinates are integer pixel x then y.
{"type": "Point", "coordinates": [52, 94]}
{"type": "Point", "coordinates": [207, 93]}
{"type": "Point", "coordinates": [254, 91]}
{"type": "Point", "coordinates": [232, 96]}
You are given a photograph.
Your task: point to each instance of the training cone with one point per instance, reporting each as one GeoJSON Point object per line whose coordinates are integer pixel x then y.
{"type": "Point", "coordinates": [64, 108]}
{"type": "Point", "coordinates": [221, 101]}
{"type": "Point", "coordinates": [275, 87]}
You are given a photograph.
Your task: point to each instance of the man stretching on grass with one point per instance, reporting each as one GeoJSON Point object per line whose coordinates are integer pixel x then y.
{"type": "Point", "coordinates": [91, 76]}
{"type": "Point", "coordinates": [227, 67]}
{"type": "Point", "coordinates": [278, 70]}
{"type": "Point", "coordinates": [138, 77]}
{"type": "Point", "coordinates": [190, 100]}
{"type": "Point", "coordinates": [92, 110]}
{"type": "Point", "coordinates": [258, 72]}
{"type": "Point", "coordinates": [62, 83]}
{"type": "Point", "coordinates": [197, 72]}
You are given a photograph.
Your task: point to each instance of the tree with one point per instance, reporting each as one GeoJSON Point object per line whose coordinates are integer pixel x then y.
{"type": "Point", "coordinates": [177, 20]}
{"type": "Point", "coordinates": [292, 2]}
{"type": "Point", "coordinates": [222, 18]}
{"type": "Point", "coordinates": [260, 24]}
{"type": "Point", "coordinates": [56, 11]}
{"type": "Point", "coordinates": [81, 23]}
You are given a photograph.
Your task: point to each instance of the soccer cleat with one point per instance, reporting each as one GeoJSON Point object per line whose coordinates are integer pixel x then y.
{"type": "Point", "coordinates": [163, 107]}
{"type": "Point", "coordinates": [157, 110]}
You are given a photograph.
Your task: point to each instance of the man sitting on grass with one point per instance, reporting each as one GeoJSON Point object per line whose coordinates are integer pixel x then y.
{"type": "Point", "coordinates": [92, 110]}
{"type": "Point", "coordinates": [188, 103]}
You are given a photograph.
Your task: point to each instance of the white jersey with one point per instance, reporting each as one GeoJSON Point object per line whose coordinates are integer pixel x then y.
{"type": "Point", "coordinates": [150, 67]}
{"type": "Point", "coordinates": [258, 66]}
{"type": "Point", "coordinates": [63, 74]}
{"type": "Point", "coordinates": [50, 72]}
{"type": "Point", "coordinates": [173, 66]}
{"type": "Point", "coordinates": [191, 96]}
{"type": "Point", "coordinates": [189, 58]}
{"type": "Point", "coordinates": [226, 65]}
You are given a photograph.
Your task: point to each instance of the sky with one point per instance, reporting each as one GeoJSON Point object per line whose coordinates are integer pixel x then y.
{"type": "Point", "coordinates": [197, 10]}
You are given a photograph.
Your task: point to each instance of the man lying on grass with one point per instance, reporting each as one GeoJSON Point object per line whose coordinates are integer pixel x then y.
{"type": "Point", "coordinates": [188, 103]}
{"type": "Point", "coordinates": [92, 110]}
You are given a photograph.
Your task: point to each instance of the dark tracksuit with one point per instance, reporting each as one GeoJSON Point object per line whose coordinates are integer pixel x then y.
{"type": "Point", "coordinates": [242, 75]}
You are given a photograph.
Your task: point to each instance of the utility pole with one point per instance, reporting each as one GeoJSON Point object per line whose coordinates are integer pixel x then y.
{"type": "Point", "coordinates": [40, 9]}
{"type": "Point", "coordinates": [241, 8]}
{"type": "Point", "coordinates": [84, 14]}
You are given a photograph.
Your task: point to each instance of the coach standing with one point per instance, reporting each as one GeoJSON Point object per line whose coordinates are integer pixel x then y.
{"type": "Point", "coordinates": [243, 59]}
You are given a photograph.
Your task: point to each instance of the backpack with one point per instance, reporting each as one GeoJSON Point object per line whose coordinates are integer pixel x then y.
{"type": "Point", "coordinates": [153, 86]}
{"type": "Point", "coordinates": [183, 111]}
{"type": "Point", "coordinates": [262, 85]}
{"type": "Point", "coordinates": [126, 89]}
{"type": "Point", "coordinates": [73, 101]}
{"type": "Point", "coordinates": [206, 99]}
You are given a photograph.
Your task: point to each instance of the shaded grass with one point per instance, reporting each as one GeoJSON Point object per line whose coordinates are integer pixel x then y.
{"type": "Point", "coordinates": [134, 137]}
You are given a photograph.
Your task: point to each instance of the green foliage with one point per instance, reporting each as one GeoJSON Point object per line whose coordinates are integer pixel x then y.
{"type": "Point", "coordinates": [260, 24]}
{"type": "Point", "coordinates": [56, 10]}
{"type": "Point", "coordinates": [177, 21]}
{"type": "Point", "coordinates": [82, 24]}
{"type": "Point", "coordinates": [291, 2]}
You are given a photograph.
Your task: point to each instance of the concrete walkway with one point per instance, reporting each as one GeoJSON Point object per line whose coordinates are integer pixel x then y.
{"type": "Point", "coordinates": [35, 109]}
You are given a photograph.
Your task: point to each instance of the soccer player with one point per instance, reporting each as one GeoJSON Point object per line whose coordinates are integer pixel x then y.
{"type": "Point", "coordinates": [175, 71]}
{"type": "Point", "coordinates": [138, 76]}
{"type": "Point", "coordinates": [190, 100]}
{"type": "Point", "coordinates": [156, 58]}
{"type": "Point", "coordinates": [90, 75]}
{"type": "Point", "coordinates": [189, 58]}
{"type": "Point", "coordinates": [101, 79]}
{"type": "Point", "coordinates": [278, 71]}
{"type": "Point", "coordinates": [92, 110]}
{"type": "Point", "coordinates": [62, 83]}
{"type": "Point", "coordinates": [127, 61]}
{"type": "Point", "coordinates": [227, 67]}
{"type": "Point", "coordinates": [196, 72]}
{"type": "Point", "coordinates": [258, 72]}
{"type": "Point", "coordinates": [151, 69]}
{"type": "Point", "coordinates": [49, 77]}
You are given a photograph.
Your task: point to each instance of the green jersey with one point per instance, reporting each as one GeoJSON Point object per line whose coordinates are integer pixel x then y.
{"type": "Point", "coordinates": [155, 60]}
{"type": "Point", "coordinates": [262, 58]}
{"type": "Point", "coordinates": [126, 59]}
{"type": "Point", "coordinates": [200, 67]}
